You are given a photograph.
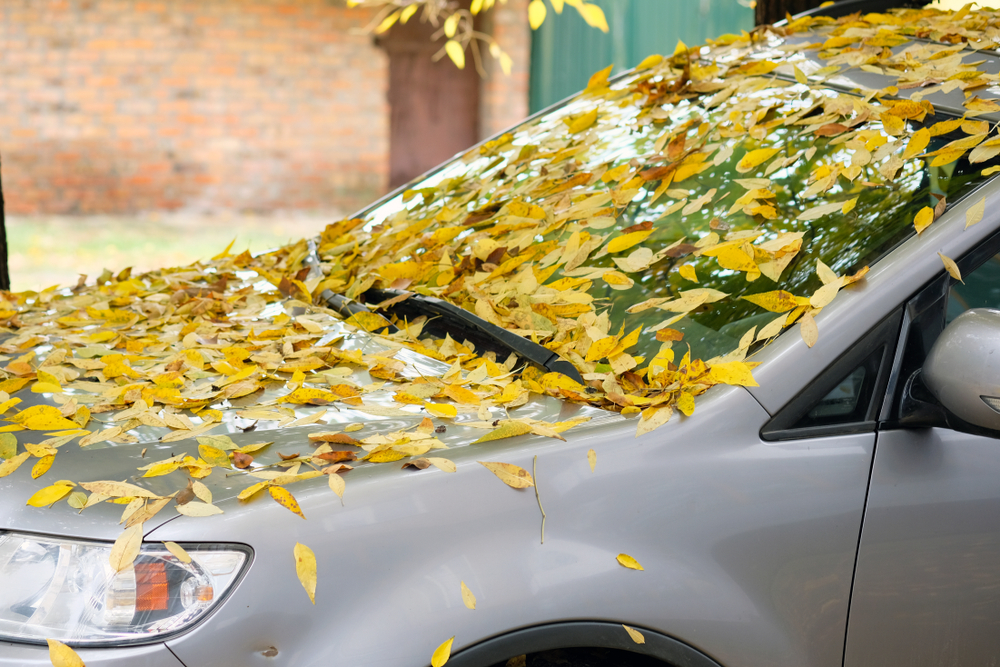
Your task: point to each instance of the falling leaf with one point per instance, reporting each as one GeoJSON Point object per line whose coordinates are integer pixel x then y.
{"type": "Point", "coordinates": [305, 569]}
{"type": "Point", "coordinates": [952, 268]}
{"type": "Point", "coordinates": [536, 16]}
{"type": "Point", "coordinates": [126, 548]}
{"type": "Point", "coordinates": [178, 551]}
{"type": "Point", "coordinates": [456, 53]}
{"type": "Point", "coordinates": [443, 652]}
{"type": "Point", "coordinates": [627, 561]}
{"type": "Point", "coordinates": [635, 635]}
{"type": "Point", "coordinates": [592, 459]}
{"type": "Point", "coordinates": [61, 655]}
{"type": "Point", "coordinates": [511, 475]}
{"type": "Point", "coordinates": [975, 212]}
{"type": "Point", "coordinates": [284, 498]}
{"type": "Point", "coordinates": [467, 597]}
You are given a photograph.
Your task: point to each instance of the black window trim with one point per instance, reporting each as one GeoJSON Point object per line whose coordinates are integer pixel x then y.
{"type": "Point", "coordinates": [884, 334]}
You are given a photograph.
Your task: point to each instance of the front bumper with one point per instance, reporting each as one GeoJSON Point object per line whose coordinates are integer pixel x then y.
{"type": "Point", "coordinates": [30, 655]}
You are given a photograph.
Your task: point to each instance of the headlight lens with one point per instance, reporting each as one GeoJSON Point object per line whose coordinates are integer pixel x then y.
{"type": "Point", "coordinates": [54, 588]}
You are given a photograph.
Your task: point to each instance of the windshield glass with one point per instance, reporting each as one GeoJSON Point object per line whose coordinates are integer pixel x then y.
{"type": "Point", "coordinates": [635, 206]}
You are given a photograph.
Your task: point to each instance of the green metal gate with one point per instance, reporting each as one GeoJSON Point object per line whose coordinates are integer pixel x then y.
{"type": "Point", "coordinates": [565, 51]}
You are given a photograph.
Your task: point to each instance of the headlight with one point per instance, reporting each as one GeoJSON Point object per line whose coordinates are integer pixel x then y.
{"type": "Point", "coordinates": [53, 588]}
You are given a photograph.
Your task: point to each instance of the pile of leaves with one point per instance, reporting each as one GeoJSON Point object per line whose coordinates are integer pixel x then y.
{"type": "Point", "coordinates": [527, 231]}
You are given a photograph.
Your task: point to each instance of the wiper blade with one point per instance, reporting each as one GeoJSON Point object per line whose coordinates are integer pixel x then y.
{"type": "Point", "coordinates": [454, 320]}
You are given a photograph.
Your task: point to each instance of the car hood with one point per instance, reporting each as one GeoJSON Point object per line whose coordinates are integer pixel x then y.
{"type": "Point", "coordinates": [378, 412]}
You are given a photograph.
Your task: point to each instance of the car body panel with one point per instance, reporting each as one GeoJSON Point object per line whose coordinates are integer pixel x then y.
{"type": "Point", "coordinates": [155, 655]}
{"type": "Point", "coordinates": [926, 589]}
{"type": "Point", "coordinates": [751, 564]}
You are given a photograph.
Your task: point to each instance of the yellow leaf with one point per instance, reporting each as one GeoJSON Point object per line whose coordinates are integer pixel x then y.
{"type": "Point", "coordinates": [442, 464]}
{"type": "Point", "coordinates": [732, 372]}
{"type": "Point", "coordinates": [629, 562]}
{"type": "Point", "coordinates": [507, 429]}
{"type": "Point", "coordinates": [649, 62]}
{"type": "Point", "coordinates": [594, 16]}
{"type": "Point", "coordinates": [337, 484]}
{"type": "Point", "coordinates": [778, 301]}
{"type": "Point", "coordinates": [443, 410]}
{"type": "Point", "coordinates": [305, 568]}
{"type": "Point", "coordinates": [583, 122]}
{"type": "Point", "coordinates": [118, 489]}
{"type": "Point", "coordinates": [451, 24]}
{"type": "Point", "coordinates": [387, 455]}
{"type": "Point", "coordinates": [799, 75]}
{"type": "Point", "coordinates": [510, 474]}
{"type": "Point", "coordinates": [387, 22]}
{"type": "Point", "coordinates": [456, 53]}
{"type": "Point", "coordinates": [808, 329]}
{"type": "Point", "coordinates": [284, 498]}
{"type": "Point", "coordinates": [626, 241]}
{"type": "Point", "coordinates": [8, 445]}
{"type": "Point", "coordinates": [443, 652]}
{"type": "Point", "coordinates": [598, 80]}
{"type": "Point", "coordinates": [918, 142]}
{"type": "Point", "coordinates": [923, 219]}
{"type": "Point", "coordinates": [50, 494]}
{"type": "Point", "coordinates": [652, 418]}
{"type": "Point", "coordinates": [952, 268]}
{"type": "Point", "coordinates": [12, 464]}
{"type": "Point", "coordinates": [252, 490]}
{"type": "Point", "coordinates": [975, 212]}
{"type": "Point", "coordinates": [536, 16]}
{"type": "Point", "coordinates": [198, 509]}
{"type": "Point", "coordinates": [688, 273]}
{"type": "Point", "coordinates": [61, 655]}
{"type": "Point", "coordinates": [634, 634]}
{"type": "Point", "coordinates": [685, 403]}
{"type": "Point", "coordinates": [592, 459]}
{"type": "Point", "coordinates": [600, 349]}
{"type": "Point", "coordinates": [213, 456]}
{"type": "Point", "coordinates": [467, 597]}
{"type": "Point", "coordinates": [126, 548]}
{"type": "Point", "coordinates": [42, 466]}
{"type": "Point", "coordinates": [755, 158]}
{"type": "Point", "coordinates": [178, 551]}
{"type": "Point", "coordinates": [372, 322]}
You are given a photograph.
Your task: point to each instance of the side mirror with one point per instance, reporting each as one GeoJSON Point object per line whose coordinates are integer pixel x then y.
{"type": "Point", "coordinates": [962, 370]}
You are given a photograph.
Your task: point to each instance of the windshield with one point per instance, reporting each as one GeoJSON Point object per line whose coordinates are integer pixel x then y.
{"type": "Point", "coordinates": [635, 206]}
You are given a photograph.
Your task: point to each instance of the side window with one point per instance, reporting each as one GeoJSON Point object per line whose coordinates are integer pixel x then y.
{"type": "Point", "coordinates": [981, 289]}
{"type": "Point", "coordinates": [845, 397]}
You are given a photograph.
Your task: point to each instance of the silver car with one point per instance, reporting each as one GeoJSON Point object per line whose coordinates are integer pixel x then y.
{"type": "Point", "coordinates": [846, 511]}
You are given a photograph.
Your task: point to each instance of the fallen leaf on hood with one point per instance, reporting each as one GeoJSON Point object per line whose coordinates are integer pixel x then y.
{"type": "Point", "coordinates": [511, 475]}
{"type": "Point", "coordinates": [508, 429]}
{"type": "Point", "coordinates": [198, 509]}
{"type": "Point", "coordinates": [592, 459]}
{"type": "Point", "coordinates": [284, 498]}
{"type": "Point", "coordinates": [305, 568]}
{"type": "Point", "coordinates": [627, 561]}
{"type": "Point", "coordinates": [51, 494]}
{"type": "Point", "coordinates": [334, 437]}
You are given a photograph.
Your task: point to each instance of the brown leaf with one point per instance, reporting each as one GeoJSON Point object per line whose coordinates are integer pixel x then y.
{"type": "Point", "coordinates": [337, 456]}
{"type": "Point", "coordinates": [336, 438]}
{"type": "Point", "coordinates": [241, 460]}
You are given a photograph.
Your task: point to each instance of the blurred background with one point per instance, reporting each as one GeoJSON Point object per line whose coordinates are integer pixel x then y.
{"type": "Point", "coordinates": [148, 133]}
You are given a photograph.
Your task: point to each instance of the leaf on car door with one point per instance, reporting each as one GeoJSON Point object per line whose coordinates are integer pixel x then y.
{"type": "Point", "coordinates": [510, 474]}
{"type": "Point", "coordinates": [305, 568]}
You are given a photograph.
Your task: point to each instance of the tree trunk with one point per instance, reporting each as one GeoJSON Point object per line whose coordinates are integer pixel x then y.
{"type": "Point", "coordinates": [769, 11]}
{"type": "Point", "coordinates": [4, 273]}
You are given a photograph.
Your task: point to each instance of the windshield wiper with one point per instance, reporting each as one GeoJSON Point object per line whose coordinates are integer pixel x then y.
{"type": "Point", "coordinates": [460, 323]}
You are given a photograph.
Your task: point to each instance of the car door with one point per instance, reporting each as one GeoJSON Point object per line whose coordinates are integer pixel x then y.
{"type": "Point", "coordinates": [927, 580]}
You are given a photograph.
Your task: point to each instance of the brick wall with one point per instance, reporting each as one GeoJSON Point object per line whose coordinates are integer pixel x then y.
{"type": "Point", "coordinates": [118, 106]}
{"type": "Point", "coordinates": [123, 106]}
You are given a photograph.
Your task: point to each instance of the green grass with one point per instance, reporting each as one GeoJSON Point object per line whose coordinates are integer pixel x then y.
{"type": "Point", "coordinates": [45, 251]}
